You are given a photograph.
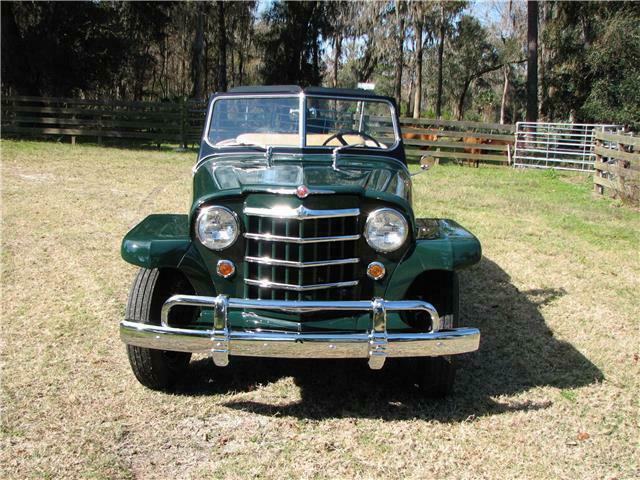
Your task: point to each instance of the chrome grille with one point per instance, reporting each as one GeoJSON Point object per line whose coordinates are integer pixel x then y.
{"type": "Point", "coordinates": [301, 254]}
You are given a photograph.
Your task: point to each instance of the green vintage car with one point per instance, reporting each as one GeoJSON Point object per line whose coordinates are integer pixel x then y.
{"type": "Point", "coordinates": [301, 242]}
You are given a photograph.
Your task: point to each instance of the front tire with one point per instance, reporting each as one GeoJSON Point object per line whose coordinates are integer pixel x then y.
{"type": "Point", "coordinates": [435, 376]}
{"type": "Point", "coordinates": [155, 369]}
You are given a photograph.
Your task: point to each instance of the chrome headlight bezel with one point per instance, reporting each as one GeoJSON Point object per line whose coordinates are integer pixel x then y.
{"type": "Point", "coordinates": [371, 242]}
{"type": "Point", "coordinates": [206, 211]}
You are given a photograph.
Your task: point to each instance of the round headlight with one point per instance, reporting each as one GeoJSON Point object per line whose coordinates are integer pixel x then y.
{"type": "Point", "coordinates": [386, 230]}
{"type": "Point", "coordinates": [217, 227]}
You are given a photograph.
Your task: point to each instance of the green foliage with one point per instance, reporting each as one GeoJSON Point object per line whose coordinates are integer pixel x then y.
{"type": "Point", "coordinates": [589, 52]}
{"type": "Point", "coordinates": [64, 48]}
{"type": "Point", "coordinates": [614, 64]}
{"type": "Point", "coordinates": [593, 69]}
{"type": "Point", "coordinates": [291, 44]}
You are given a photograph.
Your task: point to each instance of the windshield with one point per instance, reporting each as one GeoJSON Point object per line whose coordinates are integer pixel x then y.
{"type": "Point", "coordinates": [333, 122]}
{"type": "Point", "coordinates": [255, 121]}
{"type": "Point", "coordinates": [275, 121]}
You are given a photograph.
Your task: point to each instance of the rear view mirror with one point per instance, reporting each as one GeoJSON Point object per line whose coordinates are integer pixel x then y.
{"type": "Point", "coordinates": [426, 162]}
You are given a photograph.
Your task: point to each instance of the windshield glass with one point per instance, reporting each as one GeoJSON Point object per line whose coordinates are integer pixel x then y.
{"type": "Point", "coordinates": [261, 121]}
{"type": "Point", "coordinates": [332, 122]}
{"type": "Point", "coordinates": [275, 121]}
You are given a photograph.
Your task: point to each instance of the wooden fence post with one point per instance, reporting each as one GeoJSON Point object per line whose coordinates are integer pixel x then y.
{"type": "Point", "coordinates": [183, 124]}
{"type": "Point", "coordinates": [99, 129]}
{"type": "Point", "coordinates": [599, 189]}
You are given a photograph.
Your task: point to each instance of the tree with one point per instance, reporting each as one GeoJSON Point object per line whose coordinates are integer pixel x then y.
{"type": "Point", "coordinates": [472, 57]}
{"type": "Point", "coordinates": [222, 47]}
{"type": "Point", "coordinates": [448, 11]}
{"type": "Point", "coordinates": [290, 45]}
{"type": "Point", "coordinates": [198, 55]}
{"type": "Point", "coordinates": [399, 59]}
{"type": "Point", "coordinates": [422, 15]}
{"type": "Point", "coordinates": [532, 60]}
{"type": "Point", "coordinates": [592, 71]}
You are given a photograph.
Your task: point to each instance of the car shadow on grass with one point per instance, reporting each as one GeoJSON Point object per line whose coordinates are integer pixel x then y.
{"type": "Point", "coordinates": [518, 352]}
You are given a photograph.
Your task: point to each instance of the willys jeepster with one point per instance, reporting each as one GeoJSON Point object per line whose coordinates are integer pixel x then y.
{"type": "Point", "coordinates": [301, 243]}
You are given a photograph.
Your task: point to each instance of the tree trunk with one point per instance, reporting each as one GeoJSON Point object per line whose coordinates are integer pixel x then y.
{"type": "Point", "coordinates": [440, 61]}
{"type": "Point", "coordinates": [399, 61]}
{"type": "Point", "coordinates": [411, 95]}
{"type": "Point", "coordinates": [222, 49]}
{"type": "Point", "coordinates": [505, 89]}
{"type": "Point", "coordinates": [417, 99]}
{"type": "Point", "coordinates": [337, 52]}
{"type": "Point", "coordinates": [197, 54]}
{"type": "Point", "coordinates": [316, 61]}
{"type": "Point", "coordinates": [463, 96]}
{"type": "Point", "coordinates": [532, 61]}
{"type": "Point", "coordinates": [367, 64]}
{"type": "Point", "coordinates": [543, 56]}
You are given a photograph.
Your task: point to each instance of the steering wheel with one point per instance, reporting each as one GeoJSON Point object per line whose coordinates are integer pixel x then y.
{"type": "Point", "coordinates": [340, 136]}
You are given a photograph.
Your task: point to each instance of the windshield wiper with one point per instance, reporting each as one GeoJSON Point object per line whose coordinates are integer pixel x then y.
{"type": "Point", "coordinates": [241, 144]}
{"type": "Point", "coordinates": [337, 150]}
{"type": "Point", "coordinates": [268, 150]}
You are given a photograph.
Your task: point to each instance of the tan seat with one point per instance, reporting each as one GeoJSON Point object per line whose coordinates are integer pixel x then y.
{"type": "Point", "coordinates": [292, 140]}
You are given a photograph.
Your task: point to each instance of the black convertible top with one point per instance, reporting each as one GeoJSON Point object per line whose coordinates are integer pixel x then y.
{"type": "Point", "coordinates": [295, 89]}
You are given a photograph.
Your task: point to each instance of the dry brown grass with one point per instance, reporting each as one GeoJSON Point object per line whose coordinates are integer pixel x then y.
{"type": "Point", "coordinates": [553, 392]}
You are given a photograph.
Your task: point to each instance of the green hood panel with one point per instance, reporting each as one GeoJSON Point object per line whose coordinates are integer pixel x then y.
{"type": "Point", "coordinates": [373, 177]}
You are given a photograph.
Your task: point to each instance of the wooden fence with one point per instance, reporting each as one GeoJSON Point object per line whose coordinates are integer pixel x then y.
{"type": "Point", "coordinates": [181, 123]}
{"type": "Point", "coordinates": [473, 142]}
{"type": "Point", "coordinates": [617, 166]}
{"type": "Point", "coordinates": [151, 122]}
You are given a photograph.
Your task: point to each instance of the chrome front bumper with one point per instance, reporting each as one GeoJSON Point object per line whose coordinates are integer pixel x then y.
{"type": "Point", "coordinates": [376, 344]}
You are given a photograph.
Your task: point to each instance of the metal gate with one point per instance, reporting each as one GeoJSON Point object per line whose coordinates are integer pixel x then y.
{"type": "Point", "coordinates": [563, 146]}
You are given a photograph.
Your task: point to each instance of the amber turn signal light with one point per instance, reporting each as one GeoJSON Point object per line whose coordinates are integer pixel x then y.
{"type": "Point", "coordinates": [376, 270]}
{"type": "Point", "coordinates": [225, 268]}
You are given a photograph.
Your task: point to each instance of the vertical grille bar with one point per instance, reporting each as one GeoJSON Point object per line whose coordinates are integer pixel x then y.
{"type": "Point", "coordinates": [343, 226]}
{"type": "Point", "coordinates": [314, 278]}
{"type": "Point", "coordinates": [300, 257]}
{"type": "Point", "coordinates": [260, 254]}
{"type": "Point", "coordinates": [287, 256]}
{"type": "Point", "coordinates": [274, 222]}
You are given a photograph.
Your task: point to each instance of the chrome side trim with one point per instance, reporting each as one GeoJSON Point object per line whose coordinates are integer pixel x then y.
{"type": "Point", "coordinates": [299, 288]}
{"type": "Point", "coordinates": [300, 213]}
{"type": "Point", "coordinates": [376, 344]}
{"type": "Point", "coordinates": [278, 238]}
{"type": "Point", "coordinates": [288, 263]}
{"type": "Point", "coordinates": [288, 191]}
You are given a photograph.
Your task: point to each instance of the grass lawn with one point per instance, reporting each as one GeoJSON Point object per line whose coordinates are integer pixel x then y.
{"type": "Point", "coordinates": [552, 392]}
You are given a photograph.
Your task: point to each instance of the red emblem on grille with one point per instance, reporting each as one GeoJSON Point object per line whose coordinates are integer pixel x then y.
{"type": "Point", "coordinates": [302, 191]}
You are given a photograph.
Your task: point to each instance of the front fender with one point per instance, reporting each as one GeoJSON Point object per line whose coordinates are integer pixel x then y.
{"type": "Point", "coordinates": [441, 244]}
{"type": "Point", "coordinates": [158, 241]}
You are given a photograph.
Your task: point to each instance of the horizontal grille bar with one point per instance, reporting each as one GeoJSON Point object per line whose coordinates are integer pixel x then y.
{"type": "Point", "coordinates": [300, 213]}
{"type": "Point", "coordinates": [299, 288]}
{"type": "Point", "coordinates": [279, 238]}
{"type": "Point", "coordinates": [289, 263]}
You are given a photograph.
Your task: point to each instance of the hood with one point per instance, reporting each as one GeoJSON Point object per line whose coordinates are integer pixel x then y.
{"type": "Point", "coordinates": [353, 174]}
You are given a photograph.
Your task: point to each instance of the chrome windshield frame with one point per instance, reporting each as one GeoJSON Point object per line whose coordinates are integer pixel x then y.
{"type": "Point", "coordinates": [302, 116]}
